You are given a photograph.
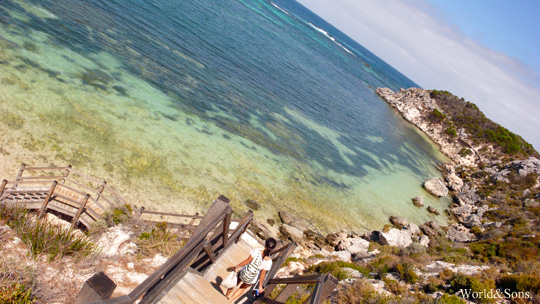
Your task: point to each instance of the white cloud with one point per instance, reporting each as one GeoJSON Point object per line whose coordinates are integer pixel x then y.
{"type": "Point", "coordinates": [415, 39]}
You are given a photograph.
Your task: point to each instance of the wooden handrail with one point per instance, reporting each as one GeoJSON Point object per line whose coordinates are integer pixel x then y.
{"type": "Point", "coordinates": [84, 175]}
{"type": "Point", "coordinates": [162, 278]}
{"type": "Point", "coordinates": [324, 285]}
{"type": "Point", "coordinates": [45, 168]}
{"type": "Point", "coordinates": [171, 214]}
{"type": "Point", "coordinates": [279, 261]}
{"type": "Point", "coordinates": [39, 177]}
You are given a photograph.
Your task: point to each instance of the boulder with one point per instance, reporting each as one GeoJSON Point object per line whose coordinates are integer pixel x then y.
{"type": "Point", "coordinates": [418, 201]}
{"type": "Point", "coordinates": [334, 239]}
{"type": "Point", "coordinates": [424, 241]}
{"type": "Point", "coordinates": [466, 196]}
{"type": "Point", "coordinates": [358, 248]}
{"type": "Point", "coordinates": [286, 217]}
{"type": "Point", "coordinates": [433, 210]}
{"type": "Point", "coordinates": [471, 221]}
{"type": "Point", "coordinates": [524, 167]}
{"type": "Point", "coordinates": [352, 273]}
{"type": "Point", "coordinates": [531, 203]}
{"type": "Point", "coordinates": [431, 229]}
{"type": "Point", "coordinates": [453, 181]}
{"type": "Point", "coordinates": [436, 187]}
{"type": "Point", "coordinates": [293, 233]}
{"type": "Point", "coordinates": [395, 237]}
{"type": "Point", "coordinates": [462, 211]}
{"type": "Point", "coordinates": [413, 229]}
{"type": "Point", "coordinates": [344, 256]}
{"type": "Point", "coordinates": [399, 222]}
{"type": "Point", "coordinates": [300, 224]}
{"type": "Point", "coordinates": [459, 233]}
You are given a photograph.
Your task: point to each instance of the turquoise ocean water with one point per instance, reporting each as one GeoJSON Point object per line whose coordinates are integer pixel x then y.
{"type": "Point", "coordinates": [178, 101]}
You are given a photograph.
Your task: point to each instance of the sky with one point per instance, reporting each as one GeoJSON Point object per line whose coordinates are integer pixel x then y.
{"type": "Point", "coordinates": [486, 51]}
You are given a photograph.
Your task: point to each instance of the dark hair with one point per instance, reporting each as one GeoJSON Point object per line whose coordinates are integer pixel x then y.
{"type": "Point", "coordinates": [269, 244]}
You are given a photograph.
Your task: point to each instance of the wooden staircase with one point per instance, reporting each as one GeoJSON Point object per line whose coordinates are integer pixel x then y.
{"type": "Point", "coordinates": [195, 287]}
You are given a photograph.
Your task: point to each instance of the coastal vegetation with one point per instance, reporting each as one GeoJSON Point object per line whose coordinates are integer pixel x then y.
{"type": "Point", "coordinates": [464, 114]}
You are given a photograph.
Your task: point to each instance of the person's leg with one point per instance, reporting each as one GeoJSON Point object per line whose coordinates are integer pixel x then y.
{"type": "Point", "coordinates": [230, 290]}
{"type": "Point", "coordinates": [239, 292]}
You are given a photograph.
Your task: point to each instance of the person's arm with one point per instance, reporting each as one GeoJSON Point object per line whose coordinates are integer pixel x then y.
{"type": "Point", "coordinates": [261, 280]}
{"type": "Point", "coordinates": [245, 262]}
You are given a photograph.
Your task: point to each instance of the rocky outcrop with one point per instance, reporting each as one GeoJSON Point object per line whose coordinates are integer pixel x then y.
{"type": "Point", "coordinates": [459, 233]}
{"type": "Point", "coordinates": [396, 238]}
{"type": "Point", "coordinates": [416, 105]}
{"type": "Point", "coordinates": [399, 222]}
{"type": "Point", "coordinates": [453, 182]}
{"type": "Point", "coordinates": [296, 235]}
{"type": "Point", "coordinates": [436, 187]}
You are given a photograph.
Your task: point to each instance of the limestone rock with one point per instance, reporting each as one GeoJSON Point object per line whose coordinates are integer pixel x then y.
{"type": "Point", "coordinates": [436, 187]}
{"type": "Point", "coordinates": [413, 229]}
{"type": "Point", "coordinates": [418, 201]}
{"type": "Point", "coordinates": [286, 217]}
{"type": "Point", "coordinates": [463, 211]}
{"type": "Point", "coordinates": [424, 241]}
{"type": "Point", "coordinates": [295, 234]}
{"type": "Point", "coordinates": [359, 247]}
{"type": "Point", "coordinates": [524, 167]}
{"type": "Point", "coordinates": [466, 196]}
{"type": "Point", "coordinates": [453, 181]}
{"type": "Point", "coordinates": [458, 233]}
{"type": "Point", "coordinates": [300, 224]}
{"type": "Point", "coordinates": [344, 256]}
{"type": "Point", "coordinates": [471, 221]}
{"type": "Point", "coordinates": [431, 229]}
{"type": "Point", "coordinates": [399, 222]}
{"type": "Point", "coordinates": [334, 239]}
{"type": "Point", "coordinates": [352, 273]}
{"type": "Point", "coordinates": [395, 237]}
{"type": "Point", "coordinates": [433, 210]}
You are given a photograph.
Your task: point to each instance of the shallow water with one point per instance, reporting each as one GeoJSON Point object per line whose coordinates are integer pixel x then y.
{"type": "Point", "coordinates": [177, 102]}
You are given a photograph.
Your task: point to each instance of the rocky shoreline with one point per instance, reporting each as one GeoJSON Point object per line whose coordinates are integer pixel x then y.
{"type": "Point", "coordinates": [466, 214]}
{"type": "Point", "coordinates": [496, 207]}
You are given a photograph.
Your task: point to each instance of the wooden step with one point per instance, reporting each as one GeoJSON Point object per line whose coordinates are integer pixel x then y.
{"type": "Point", "coordinates": [194, 288]}
{"type": "Point", "coordinates": [230, 258]}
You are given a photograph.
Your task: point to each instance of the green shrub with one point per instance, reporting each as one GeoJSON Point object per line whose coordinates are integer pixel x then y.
{"type": "Point", "coordinates": [43, 237]}
{"type": "Point", "coordinates": [16, 294]}
{"type": "Point", "coordinates": [466, 115]}
{"type": "Point", "coordinates": [406, 273]}
{"type": "Point", "coordinates": [460, 283]}
{"type": "Point", "coordinates": [159, 240]}
{"type": "Point", "coordinates": [451, 131]}
{"type": "Point", "coordinates": [436, 116]}
{"type": "Point", "coordinates": [120, 215]}
{"type": "Point", "coordinates": [450, 299]}
{"type": "Point", "coordinates": [520, 283]}
{"type": "Point", "coordinates": [464, 152]}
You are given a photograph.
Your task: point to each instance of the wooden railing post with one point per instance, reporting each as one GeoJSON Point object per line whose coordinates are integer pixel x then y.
{"type": "Point", "coordinates": [101, 189]}
{"type": "Point", "coordinates": [208, 249]}
{"type": "Point", "coordinates": [193, 219]}
{"type": "Point", "coordinates": [226, 227]}
{"type": "Point", "coordinates": [19, 175]}
{"type": "Point", "coordinates": [140, 212]}
{"type": "Point", "coordinates": [81, 210]}
{"type": "Point", "coordinates": [3, 187]}
{"type": "Point", "coordinates": [47, 199]}
{"type": "Point", "coordinates": [66, 174]}
{"type": "Point", "coordinates": [315, 297]}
